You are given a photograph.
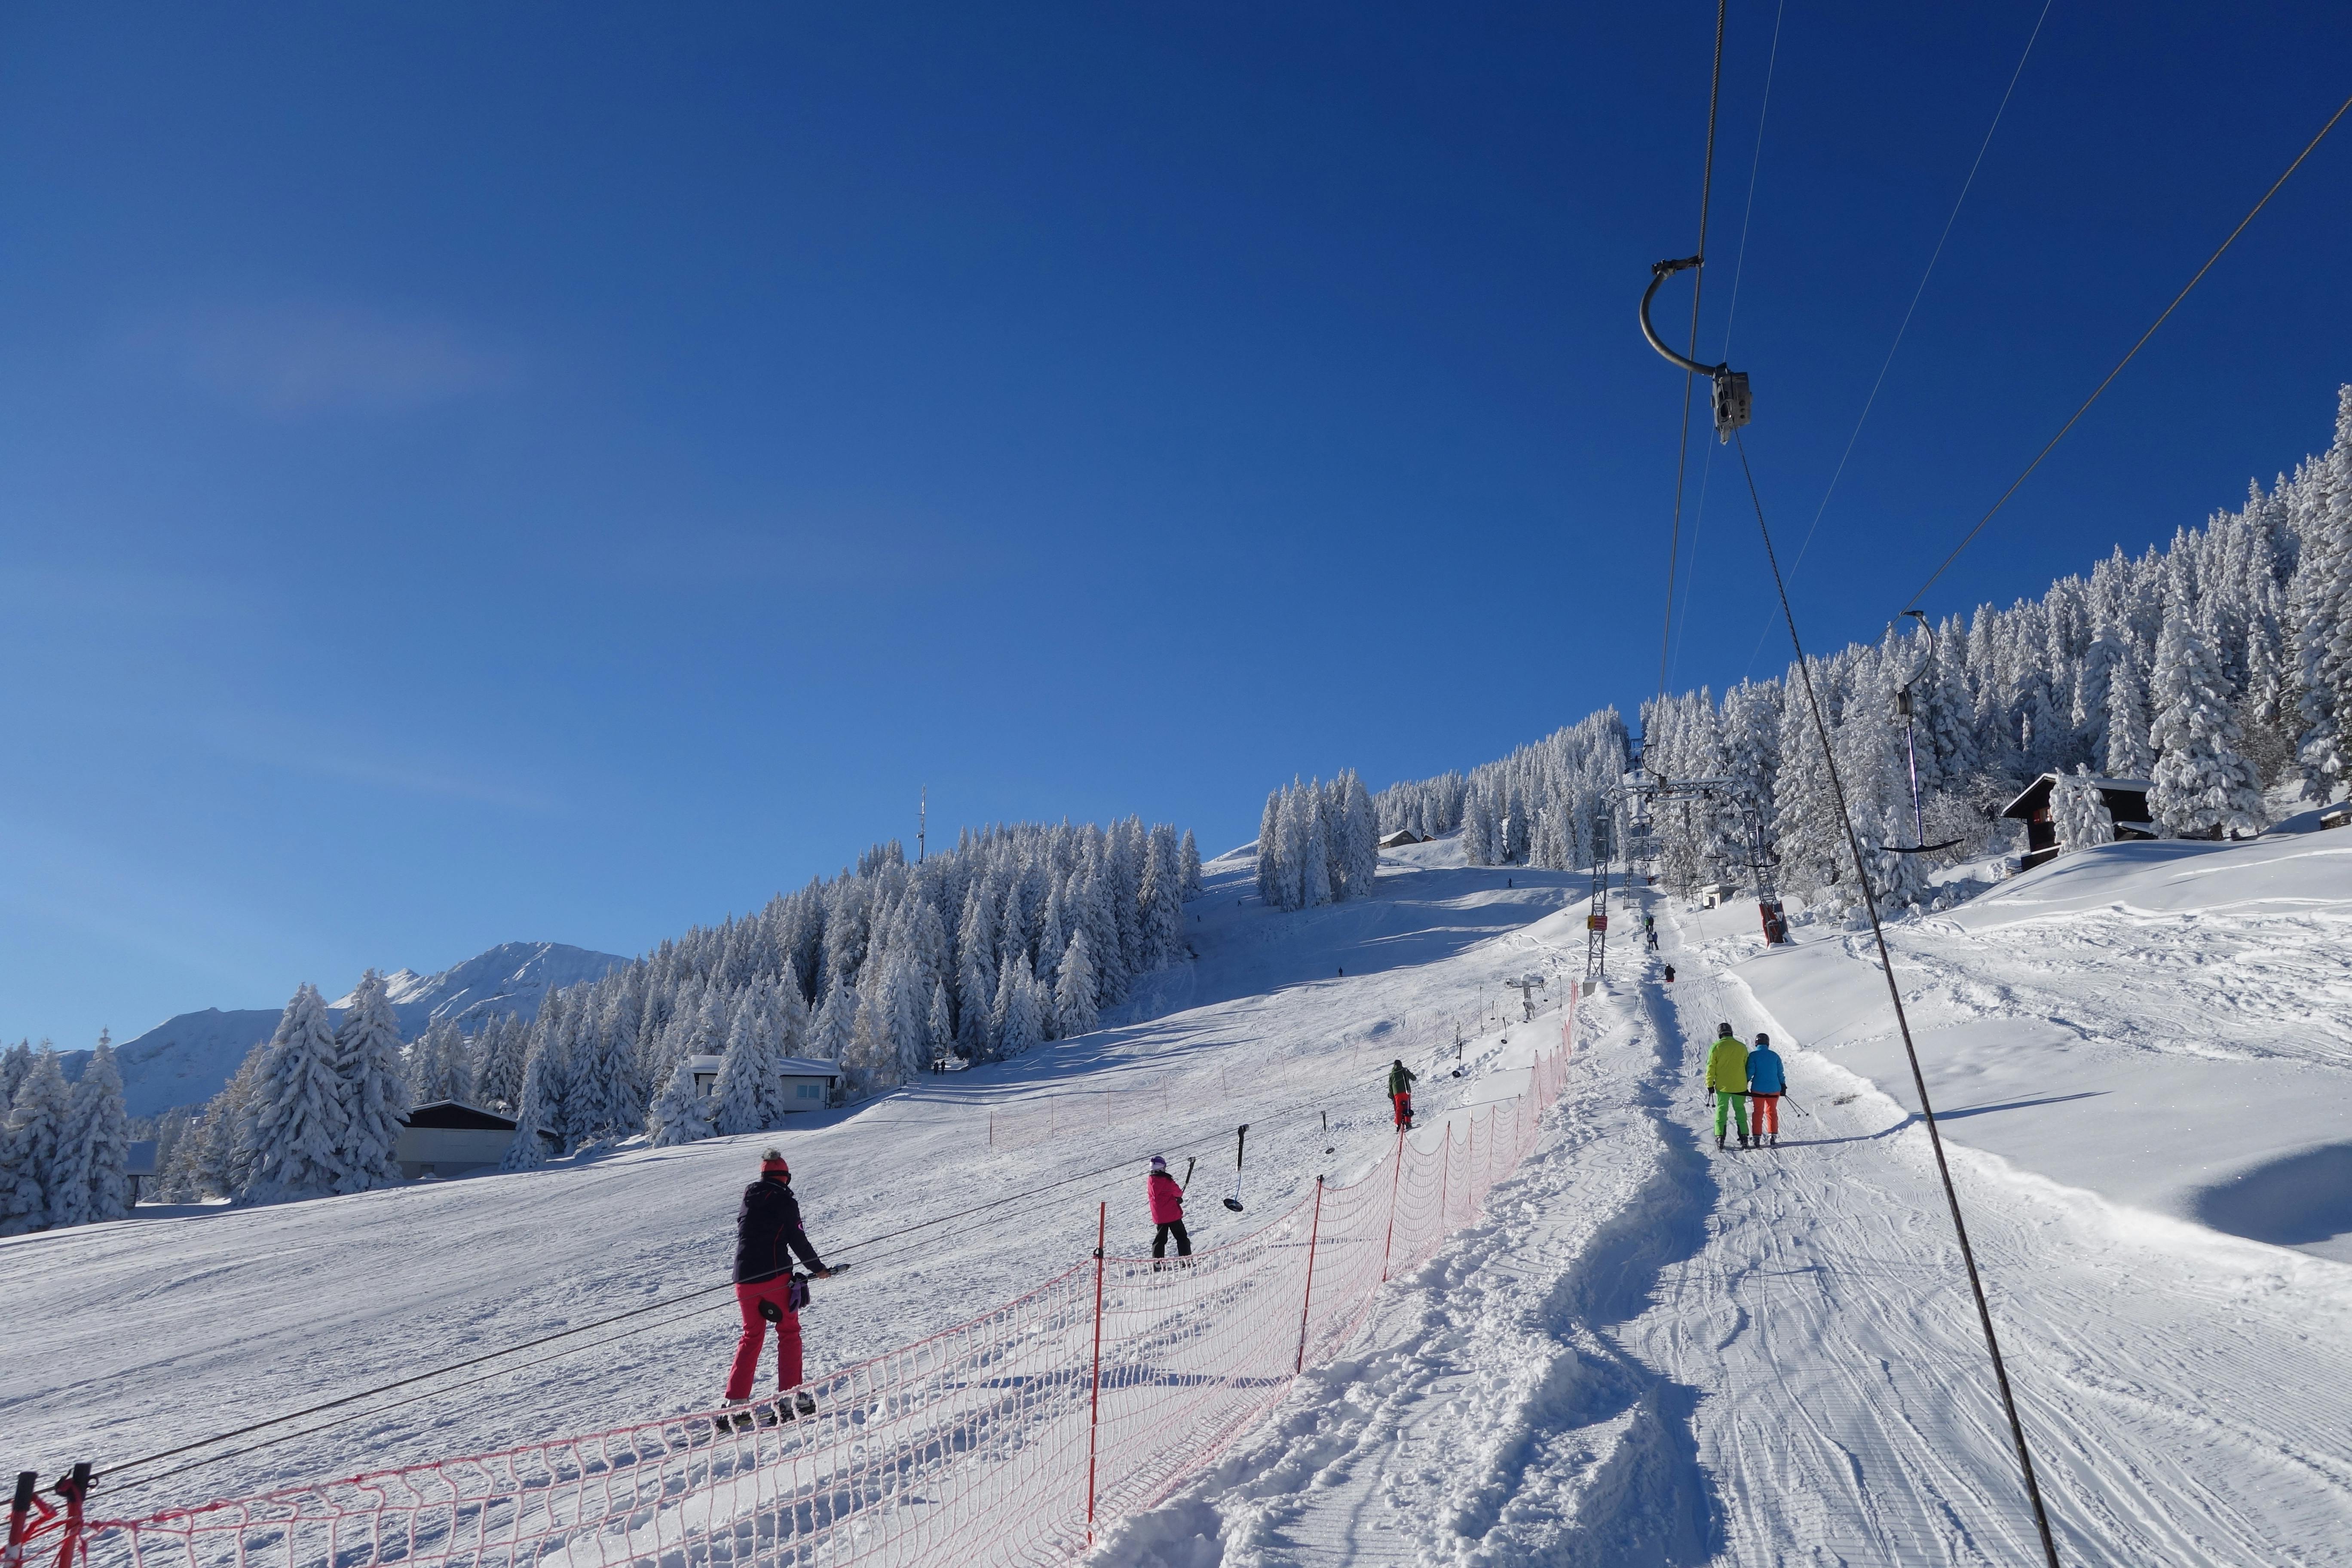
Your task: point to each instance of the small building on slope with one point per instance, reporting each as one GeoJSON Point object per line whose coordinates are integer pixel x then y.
{"type": "Point", "coordinates": [1400, 839]}
{"type": "Point", "coordinates": [2126, 802]}
{"type": "Point", "coordinates": [810, 1082]}
{"type": "Point", "coordinates": [450, 1138]}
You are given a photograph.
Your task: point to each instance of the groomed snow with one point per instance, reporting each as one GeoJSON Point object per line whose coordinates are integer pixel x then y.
{"type": "Point", "coordinates": [2166, 1025]}
{"type": "Point", "coordinates": [1645, 1352]}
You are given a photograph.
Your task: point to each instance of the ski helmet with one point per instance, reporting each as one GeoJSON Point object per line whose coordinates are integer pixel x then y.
{"type": "Point", "coordinates": [1159, 1162]}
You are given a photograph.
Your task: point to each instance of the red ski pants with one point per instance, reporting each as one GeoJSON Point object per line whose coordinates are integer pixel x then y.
{"type": "Point", "coordinates": [755, 1334]}
{"type": "Point", "coordinates": [1403, 1108]}
{"type": "Point", "coordinates": [1763, 1114]}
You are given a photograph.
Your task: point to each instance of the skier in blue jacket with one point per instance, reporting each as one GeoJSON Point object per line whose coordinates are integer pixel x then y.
{"type": "Point", "coordinates": [1766, 1083]}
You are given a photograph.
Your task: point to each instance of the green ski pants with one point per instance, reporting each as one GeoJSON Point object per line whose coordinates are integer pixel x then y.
{"type": "Point", "coordinates": [1728, 1107]}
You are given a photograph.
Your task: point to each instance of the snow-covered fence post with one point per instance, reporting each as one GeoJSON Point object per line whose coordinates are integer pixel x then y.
{"type": "Point", "coordinates": [1094, 1412]}
{"type": "Point", "coordinates": [1393, 1180]}
{"type": "Point", "coordinates": [1314, 1229]}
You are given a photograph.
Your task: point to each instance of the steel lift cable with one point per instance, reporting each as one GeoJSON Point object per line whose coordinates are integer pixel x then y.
{"type": "Point", "coordinates": [1903, 1023]}
{"type": "Point", "coordinates": [1969, 537]}
{"type": "Point", "coordinates": [1730, 319]}
{"type": "Point", "coordinates": [1698, 277]}
{"type": "Point", "coordinates": [1916, 295]}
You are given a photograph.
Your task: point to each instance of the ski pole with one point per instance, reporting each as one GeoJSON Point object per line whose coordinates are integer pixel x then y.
{"type": "Point", "coordinates": [1188, 1172]}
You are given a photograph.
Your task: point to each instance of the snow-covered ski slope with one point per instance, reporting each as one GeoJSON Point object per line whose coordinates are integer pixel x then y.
{"type": "Point", "coordinates": [1645, 1353]}
{"type": "Point", "coordinates": [2166, 1025]}
{"type": "Point", "coordinates": [126, 1338]}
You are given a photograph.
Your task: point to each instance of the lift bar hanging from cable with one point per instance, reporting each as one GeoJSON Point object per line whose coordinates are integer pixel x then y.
{"type": "Point", "coordinates": [1731, 406]}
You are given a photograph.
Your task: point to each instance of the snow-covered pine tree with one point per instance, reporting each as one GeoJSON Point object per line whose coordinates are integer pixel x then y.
{"type": "Point", "coordinates": [36, 1124]}
{"type": "Point", "coordinates": [1314, 859]}
{"type": "Point", "coordinates": [2079, 811]}
{"type": "Point", "coordinates": [941, 1021]}
{"type": "Point", "coordinates": [1804, 817]}
{"type": "Point", "coordinates": [503, 1045]}
{"type": "Point", "coordinates": [1360, 837]}
{"type": "Point", "coordinates": [1269, 851]}
{"type": "Point", "coordinates": [1188, 866]}
{"type": "Point", "coordinates": [2203, 784]}
{"type": "Point", "coordinates": [2129, 756]}
{"type": "Point", "coordinates": [794, 1028]}
{"type": "Point", "coordinates": [1075, 1008]}
{"type": "Point", "coordinates": [89, 1182]}
{"type": "Point", "coordinates": [976, 971]}
{"type": "Point", "coordinates": [535, 1112]}
{"type": "Point", "coordinates": [300, 1126]}
{"type": "Point", "coordinates": [1092, 907]}
{"type": "Point", "coordinates": [2319, 507]}
{"type": "Point", "coordinates": [15, 1063]}
{"type": "Point", "coordinates": [679, 1115]}
{"type": "Point", "coordinates": [1022, 1021]}
{"type": "Point", "coordinates": [373, 1089]}
{"type": "Point", "coordinates": [215, 1161]}
{"type": "Point", "coordinates": [608, 1094]}
{"type": "Point", "coordinates": [746, 1092]}
{"type": "Point", "coordinates": [908, 1018]}
{"type": "Point", "coordinates": [1162, 911]}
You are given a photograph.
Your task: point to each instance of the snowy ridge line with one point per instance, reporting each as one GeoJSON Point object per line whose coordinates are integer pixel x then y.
{"type": "Point", "coordinates": [1016, 1438]}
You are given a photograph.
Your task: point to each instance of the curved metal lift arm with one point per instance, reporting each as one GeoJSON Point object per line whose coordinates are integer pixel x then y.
{"type": "Point", "coordinates": [1659, 272]}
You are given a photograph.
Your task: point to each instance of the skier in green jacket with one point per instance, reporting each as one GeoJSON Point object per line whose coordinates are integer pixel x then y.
{"type": "Point", "coordinates": [1726, 1076]}
{"type": "Point", "coordinates": [1401, 1093]}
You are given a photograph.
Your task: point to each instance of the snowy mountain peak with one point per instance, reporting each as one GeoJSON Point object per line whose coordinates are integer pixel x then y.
{"type": "Point", "coordinates": [511, 977]}
{"type": "Point", "coordinates": [184, 1060]}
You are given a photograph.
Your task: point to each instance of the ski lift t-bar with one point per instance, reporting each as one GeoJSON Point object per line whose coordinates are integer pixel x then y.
{"type": "Point", "coordinates": [1730, 385]}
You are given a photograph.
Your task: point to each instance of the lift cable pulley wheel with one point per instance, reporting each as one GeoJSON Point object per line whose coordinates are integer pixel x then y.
{"type": "Point", "coordinates": [1730, 385]}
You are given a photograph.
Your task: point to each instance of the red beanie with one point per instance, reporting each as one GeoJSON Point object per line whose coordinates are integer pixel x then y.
{"type": "Point", "coordinates": [772, 1163]}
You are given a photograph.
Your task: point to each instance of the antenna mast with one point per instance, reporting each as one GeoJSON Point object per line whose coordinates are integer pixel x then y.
{"type": "Point", "coordinates": [922, 821]}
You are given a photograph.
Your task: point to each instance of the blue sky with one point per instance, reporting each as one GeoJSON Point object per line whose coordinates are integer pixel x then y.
{"type": "Point", "coordinates": [473, 473]}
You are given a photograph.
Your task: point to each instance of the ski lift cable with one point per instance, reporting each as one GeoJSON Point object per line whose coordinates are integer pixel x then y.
{"type": "Point", "coordinates": [1698, 266]}
{"type": "Point", "coordinates": [1903, 1024]}
{"type": "Point", "coordinates": [1919, 293]}
{"type": "Point", "coordinates": [1216, 1141]}
{"type": "Point", "coordinates": [1969, 537]}
{"type": "Point", "coordinates": [1730, 318]}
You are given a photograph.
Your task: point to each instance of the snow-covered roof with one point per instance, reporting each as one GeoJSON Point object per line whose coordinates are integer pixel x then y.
{"type": "Point", "coordinates": [808, 1066]}
{"type": "Point", "coordinates": [2033, 794]}
{"type": "Point", "coordinates": [457, 1114]}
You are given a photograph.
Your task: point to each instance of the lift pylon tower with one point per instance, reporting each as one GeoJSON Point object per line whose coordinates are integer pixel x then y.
{"type": "Point", "coordinates": [1650, 789]}
{"type": "Point", "coordinates": [1596, 926]}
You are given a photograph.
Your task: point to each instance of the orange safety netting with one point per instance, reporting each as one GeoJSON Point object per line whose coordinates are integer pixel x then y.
{"type": "Point", "coordinates": [1013, 1439]}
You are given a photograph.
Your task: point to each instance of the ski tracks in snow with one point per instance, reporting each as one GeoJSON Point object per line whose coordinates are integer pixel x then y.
{"type": "Point", "coordinates": [1646, 1352]}
{"type": "Point", "coordinates": [1489, 1414]}
{"type": "Point", "coordinates": [2182, 1392]}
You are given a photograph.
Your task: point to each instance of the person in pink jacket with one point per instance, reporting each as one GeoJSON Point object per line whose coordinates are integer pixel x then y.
{"type": "Point", "coordinates": [1167, 1210]}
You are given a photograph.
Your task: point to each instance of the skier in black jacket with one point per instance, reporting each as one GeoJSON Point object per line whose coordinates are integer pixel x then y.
{"type": "Point", "coordinates": [768, 1235]}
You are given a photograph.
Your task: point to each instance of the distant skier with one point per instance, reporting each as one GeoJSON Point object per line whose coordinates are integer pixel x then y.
{"type": "Point", "coordinates": [1766, 1083]}
{"type": "Point", "coordinates": [1401, 1080]}
{"type": "Point", "coordinates": [1650, 930]}
{"type": "Point", "coordinates": [1726, 1076]}
{"type": "Point", "coordinates": [1167, 1195]}
{"type": "Point", "coordinates": [767, 1235]}
{"type": "Point", "coordinates": [1670, 975]}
